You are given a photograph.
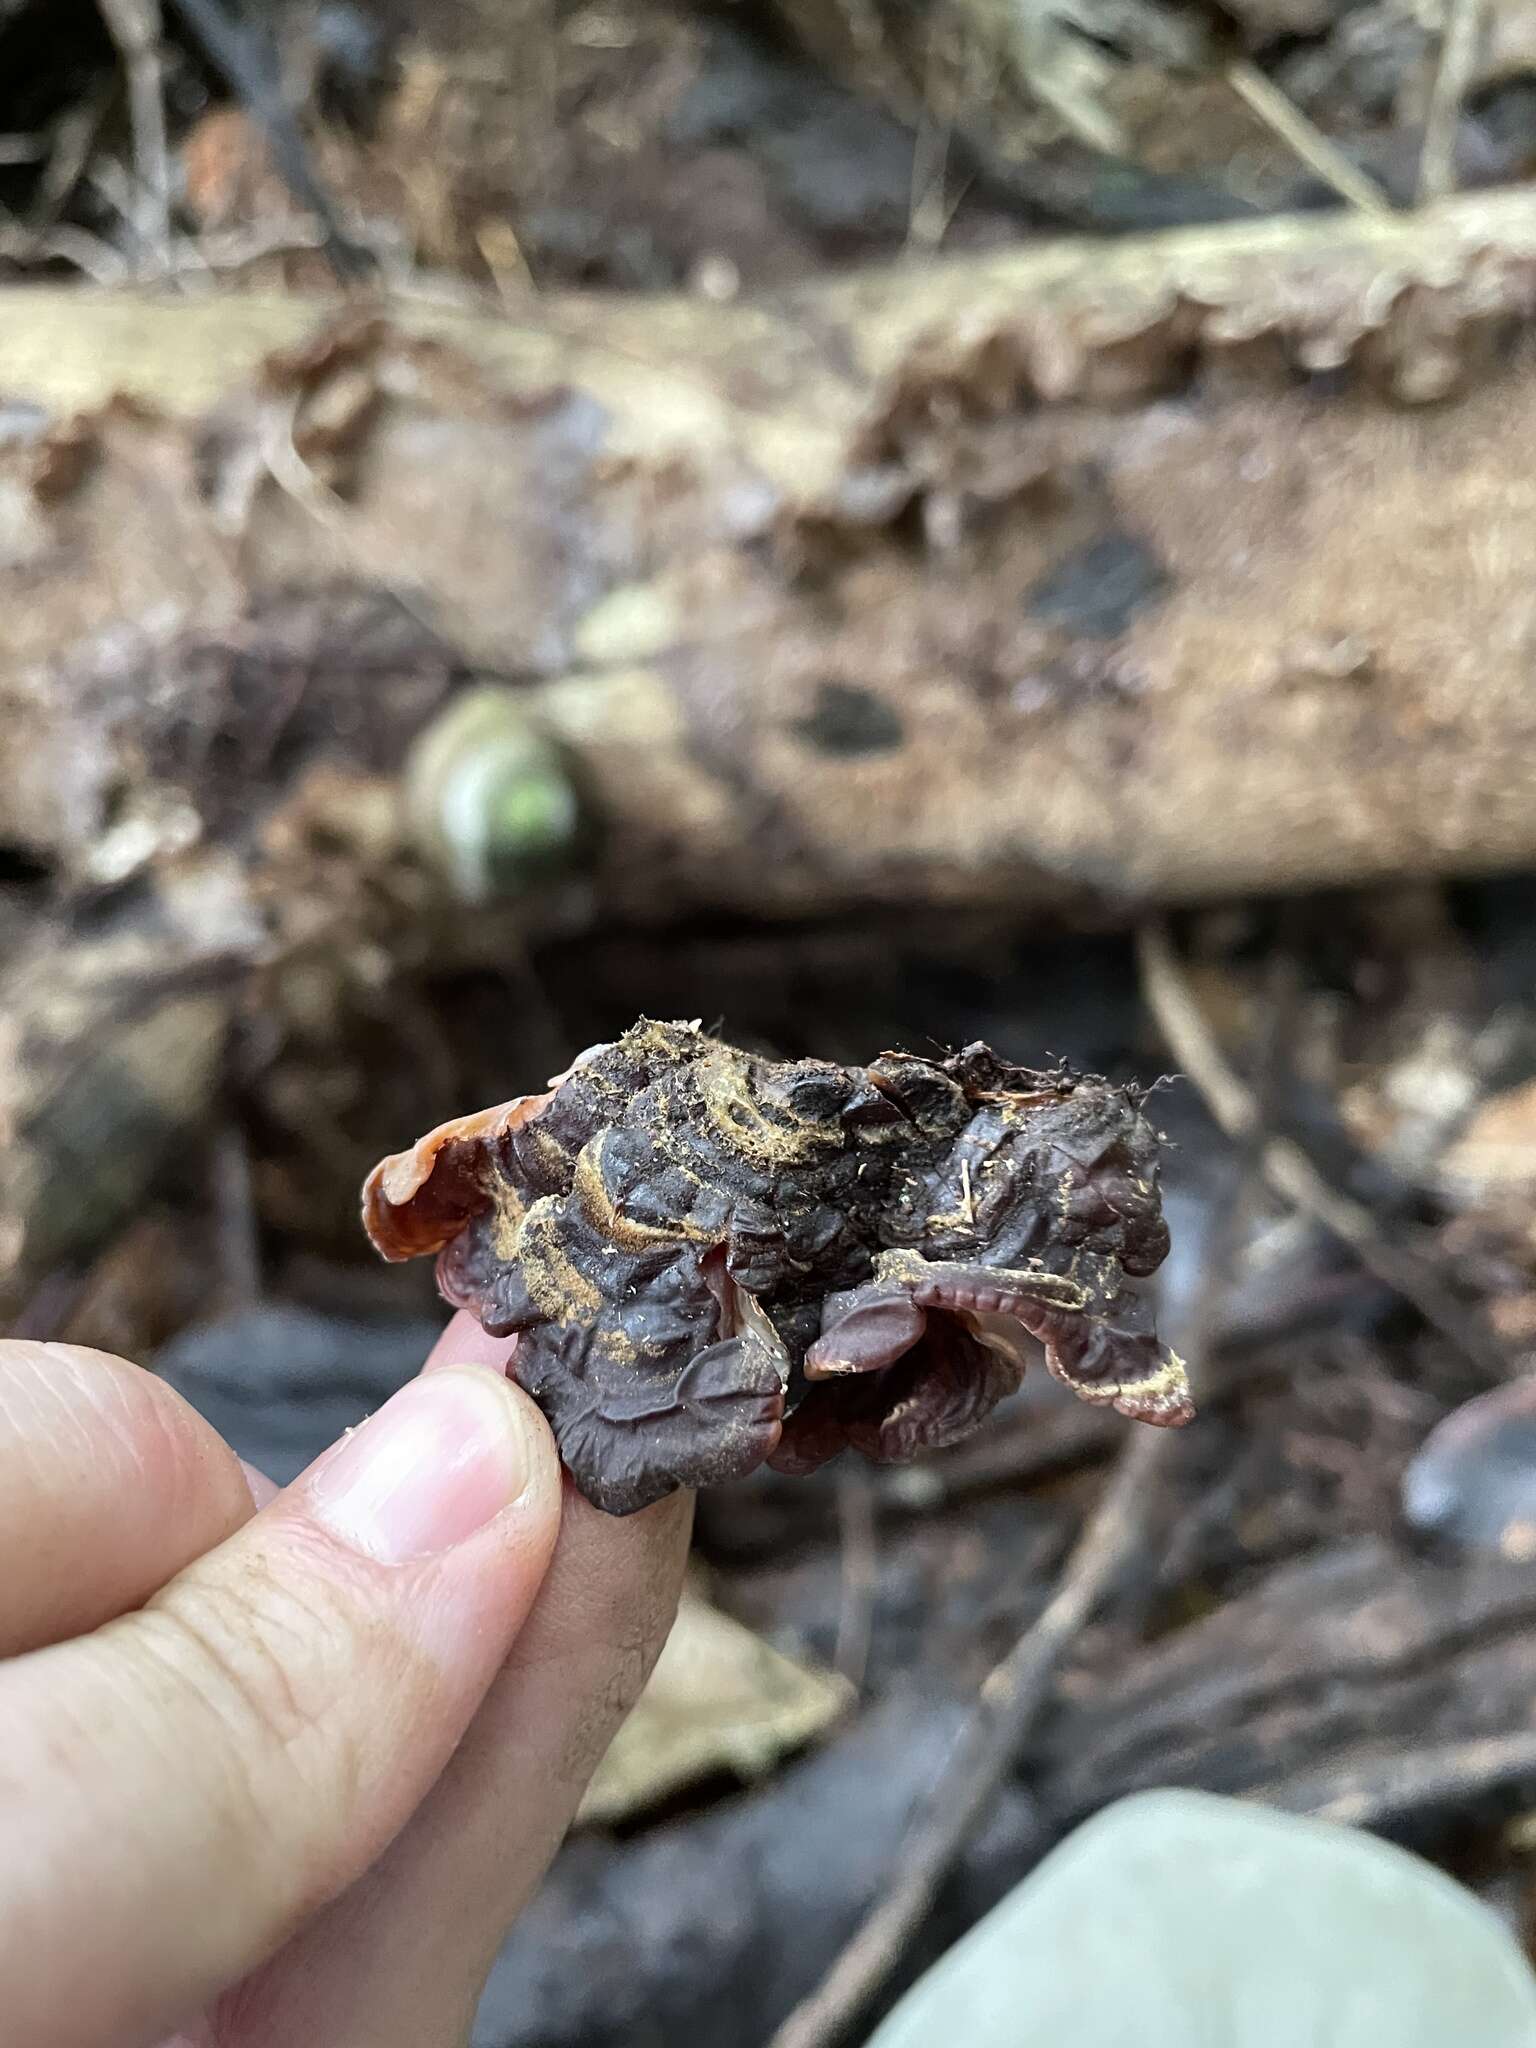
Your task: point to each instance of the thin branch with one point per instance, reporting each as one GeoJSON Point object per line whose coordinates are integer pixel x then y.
{"type": "Point", "coordinates": [225, 249]}
{"type": "Point", "coordinates": [84, 252]}
{"type": "Point", "coordinates": [1382, 1792]}
{"type": "Point", "coordinates": [246, 58]}
{"type": "Point", "coordinates": [1287, 1168]}
{"type": "Point", "coordinates": [72, 142]}
{"type": "Point", "coordinates": [1005, 1711]}
{"type": "Point", "coordinates": [135, 27]}
{"type": "Point", "coordinates": [234, 1206]}
{"type": "Point", "coordinates": [860, 1573]}
{"type": "Point", "coordinates": [1458, 56]}
{"type": "Point", "coordinates": [1305, 138]}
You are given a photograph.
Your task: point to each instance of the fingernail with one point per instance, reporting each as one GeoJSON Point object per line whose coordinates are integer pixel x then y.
{"type": "Point", "coordinates": [441, 1458]}
{"type": "Point", "coordinates": [262, 1488]}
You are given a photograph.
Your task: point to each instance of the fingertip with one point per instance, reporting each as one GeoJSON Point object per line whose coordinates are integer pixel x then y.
{"type": "Point", "coordinates": [442, 1460]}
{"type": "Point", "coordinates": [464, 1342]}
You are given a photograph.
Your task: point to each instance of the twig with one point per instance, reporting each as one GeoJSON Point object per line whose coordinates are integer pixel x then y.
{"type": "Point", "coordinates": [246, 60]}
{"type": "Point", "coordinates": [293, 475]}
{"type": "Point", "coordinates": [238, 1232]}
{"type": "Point", "coordinates": [1010, 1699]}
{"type": "Point", "coordinates": [72, 140]}
{"type": "Point", "coordinates": [105, 178]}
{"type": "Point", "coordinates": [226, 249]}
{"type": "Point", "coordinates": [135, 27]}
{"type": "Point", "coordinates": [1287, 1168]}
{"type": "Point", "coordinates": [860, 1568]}
{"type": "Point", "coordinates": [1458, 55]}
{"type": "Point", "coordinates": [87, 253]}
{"type": "Point", "coordinates": [929, 209]}
{"type": "Point", "coordinates": [1305, 138]}
{"type": "Point", "coordinates": [1385, 1792]}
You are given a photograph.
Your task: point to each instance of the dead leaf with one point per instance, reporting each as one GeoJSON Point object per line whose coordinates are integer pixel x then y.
{"type": "Point", "coordinates": [719, 1700]}
{"type": "Point", "coordinates": [1497, 1150]}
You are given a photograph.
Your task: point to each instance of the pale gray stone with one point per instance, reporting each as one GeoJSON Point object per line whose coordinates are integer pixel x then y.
{"type": "Point", "coordinates": [1181, 1920]}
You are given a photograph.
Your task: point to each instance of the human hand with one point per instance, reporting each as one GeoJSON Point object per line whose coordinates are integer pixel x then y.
{"type": "Point", "coordinates": [286, 1776]}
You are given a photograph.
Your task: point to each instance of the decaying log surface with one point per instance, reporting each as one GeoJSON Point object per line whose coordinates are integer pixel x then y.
{"type": "Point", "coordinates": [1129, 572]}
{"type": "Point", "coordinates": [1372, 1686]}
{"type": "Point", "coordinates": [111, 1049]}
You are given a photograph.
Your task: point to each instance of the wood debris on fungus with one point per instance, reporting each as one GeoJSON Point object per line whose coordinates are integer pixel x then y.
{"type": "Point", "coordinates": [713, 1260]}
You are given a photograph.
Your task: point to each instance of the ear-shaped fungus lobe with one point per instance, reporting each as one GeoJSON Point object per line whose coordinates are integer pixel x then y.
{"type": "Point", "coordinates": [632, 1437]}
{"type": "Point", "coordinates": [888, 1378]}
{"type": "Point", "coordinates": [935, 1392]}
{"type": "Point", "coordinates": [675, 1230]}
{"type": "Point", "coordinates": [644, 1388]}
{"type": "Point", "coordinates": [642, 1391]}
{"type": "Point", "coordinates": [418, 1201]}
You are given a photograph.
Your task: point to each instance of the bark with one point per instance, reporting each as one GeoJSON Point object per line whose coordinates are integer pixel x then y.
{"type": "Point", "coordinates": [1129, 573]}
{"type": "Point", "coordinates": [1386, 1690]}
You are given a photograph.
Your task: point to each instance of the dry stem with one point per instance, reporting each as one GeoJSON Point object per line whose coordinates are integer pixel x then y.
{"type": "Point", "coordinates": [1006, 1708]}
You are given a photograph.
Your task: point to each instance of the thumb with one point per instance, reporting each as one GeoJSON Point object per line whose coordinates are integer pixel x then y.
{"type": "Point", "coordinates": [183, 1787]}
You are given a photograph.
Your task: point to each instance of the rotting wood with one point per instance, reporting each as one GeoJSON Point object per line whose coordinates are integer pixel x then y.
{"type": "Point", "coordinates": [1093, 574]}
{"type": "Point", "coordinates": [1364, 1683]}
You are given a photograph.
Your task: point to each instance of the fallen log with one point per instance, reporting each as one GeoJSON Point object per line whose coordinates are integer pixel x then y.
{"type": "Point", "coordinates": [1390, 1691]}
{"type": "Point", "coordinates": [1081, 574]}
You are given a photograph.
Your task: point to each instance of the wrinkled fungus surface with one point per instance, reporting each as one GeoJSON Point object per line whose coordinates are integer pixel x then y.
{"type": "Point", "coordinates": [711, 1260]}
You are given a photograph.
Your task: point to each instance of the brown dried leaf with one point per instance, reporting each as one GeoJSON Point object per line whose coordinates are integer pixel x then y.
{"type": "Point", "coordinates": [720, 1699]}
